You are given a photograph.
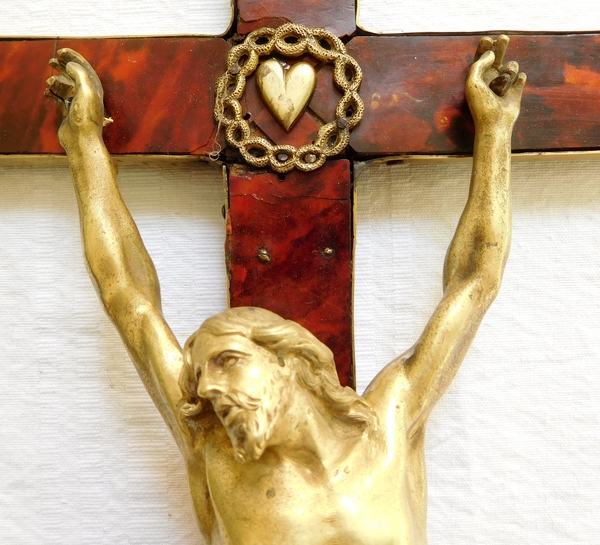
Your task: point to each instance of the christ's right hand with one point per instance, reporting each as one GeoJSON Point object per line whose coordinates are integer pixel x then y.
{"type": "Point", "coordinates": [78, 93]}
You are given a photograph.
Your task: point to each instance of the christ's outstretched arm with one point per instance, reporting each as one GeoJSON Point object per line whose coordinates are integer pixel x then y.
{"type": "Point", "coordinates": [477, 254]}
{"type": "Point", "coordinates": [119, 264]}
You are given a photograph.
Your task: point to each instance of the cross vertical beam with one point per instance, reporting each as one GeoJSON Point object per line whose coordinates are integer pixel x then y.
{"type": "Point", "coordinates": [289, 250]}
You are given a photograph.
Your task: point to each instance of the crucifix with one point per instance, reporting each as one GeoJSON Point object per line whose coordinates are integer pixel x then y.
{"type": "Point", "coordinates": [263, 254]}
{"type": "Point", "coordinates": [425, 96]}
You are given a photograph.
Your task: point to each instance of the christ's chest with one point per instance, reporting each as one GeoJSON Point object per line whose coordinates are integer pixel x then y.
{"type": "Point", "coordinates": [281, 501]}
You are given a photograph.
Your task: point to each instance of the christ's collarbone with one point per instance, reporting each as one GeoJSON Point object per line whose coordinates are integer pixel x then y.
{"type": "Point", "coordinates": [274, 500]}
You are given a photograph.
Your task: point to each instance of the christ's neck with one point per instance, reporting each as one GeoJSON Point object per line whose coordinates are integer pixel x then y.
{"type": "Point", "coordinates": [308, 432]}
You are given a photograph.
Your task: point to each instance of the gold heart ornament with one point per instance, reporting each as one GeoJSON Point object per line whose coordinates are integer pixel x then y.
{"type": "Point", "coordinates": [286, 94]}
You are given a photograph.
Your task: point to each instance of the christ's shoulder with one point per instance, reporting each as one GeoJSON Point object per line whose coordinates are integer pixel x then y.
{"type": "Point", "coordinates": [390, 389]}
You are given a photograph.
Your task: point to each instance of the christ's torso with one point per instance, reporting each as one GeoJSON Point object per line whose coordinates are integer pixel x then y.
{"type": "Point", "coordinates": [365, 500]}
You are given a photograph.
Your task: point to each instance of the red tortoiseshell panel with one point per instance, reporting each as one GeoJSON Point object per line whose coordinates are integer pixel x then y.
{"type": "Point", "coordinates": [159, 91]}
{"type": "Point", "coordinates": [28, 120]}
{"type": "Point", "coordinates": [413, 89]}
{"type": "Point", "coordinates": [327, 95]}
{"type": "Point", "coordinates": [561, 104]}
{"type": "Point", "coordinates": [335, 15]}
{"type": "Point", "coordinates": [289, 249]}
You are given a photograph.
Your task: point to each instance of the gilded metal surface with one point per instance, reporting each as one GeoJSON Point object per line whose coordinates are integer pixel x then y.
{"type": "Point", "coordinates": [290, 40]}
{"type": "Point", "coordinates": [275, 449]}
{"type": "Point", "coordinates": [286, 94]}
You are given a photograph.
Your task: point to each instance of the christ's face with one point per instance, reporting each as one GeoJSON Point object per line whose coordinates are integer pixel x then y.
{"type": "Point", "coordinates": [247, 388]}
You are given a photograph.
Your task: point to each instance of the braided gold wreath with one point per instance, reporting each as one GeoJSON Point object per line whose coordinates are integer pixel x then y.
{"type": "Point", "coordinates": [291, 40]}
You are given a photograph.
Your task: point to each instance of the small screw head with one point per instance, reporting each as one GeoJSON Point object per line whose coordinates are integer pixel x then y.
{"type": "Point", "coordinates": [282, 157]}
{"type": "Point", "coordinates": [310, 158]}
{"type": "Point", "coordinates": [235, 69]}
{"type": "Point", "coordinates": [341, 122]}
{"type": "Point", "coordinates": [263, 255]}
{"type": "Point", "coordinates": [328, 252]}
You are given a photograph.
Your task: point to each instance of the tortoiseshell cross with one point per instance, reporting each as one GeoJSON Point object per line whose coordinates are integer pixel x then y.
{"type": "Point", "coordinates": [290, 237]}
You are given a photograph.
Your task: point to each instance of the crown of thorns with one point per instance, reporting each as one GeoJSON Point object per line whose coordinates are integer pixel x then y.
{"type": "Point", "coordinates": [290, 40]}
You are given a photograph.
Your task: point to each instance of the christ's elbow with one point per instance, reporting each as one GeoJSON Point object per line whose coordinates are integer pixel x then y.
{"type": "Point", "coordinates": [126, 306]}
{"type": "Point", "coordinates": [485, 287]}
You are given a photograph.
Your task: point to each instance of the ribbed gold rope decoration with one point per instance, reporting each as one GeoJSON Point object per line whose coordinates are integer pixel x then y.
{"type": "Point", "coordinates": [290, 40]}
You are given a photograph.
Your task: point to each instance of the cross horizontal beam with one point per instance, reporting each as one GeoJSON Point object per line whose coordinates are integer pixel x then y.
{"type": "Point", "coordinates": [160, 93]}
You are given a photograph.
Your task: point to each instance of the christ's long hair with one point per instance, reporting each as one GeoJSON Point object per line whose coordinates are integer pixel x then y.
{"type": "Point", "coordinates": [315, 370]}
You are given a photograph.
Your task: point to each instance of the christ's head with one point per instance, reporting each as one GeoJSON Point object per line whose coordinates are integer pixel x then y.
{"type": "Point", "coordinates": [248, 362]}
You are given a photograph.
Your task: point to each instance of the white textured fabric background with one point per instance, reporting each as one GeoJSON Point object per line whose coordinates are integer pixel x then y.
{"type": "Point", "coordinates": [84, 455]}
{"type": "Point", "coordinates": [395, 16]}
{"type": "Point", "coordinates": [512, 450]}
{"type": "Point", "coordinates": [115, 17]}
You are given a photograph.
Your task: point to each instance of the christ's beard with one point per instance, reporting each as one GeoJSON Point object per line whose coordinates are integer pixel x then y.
{"type": "Point", "coordinates": [248, 423]}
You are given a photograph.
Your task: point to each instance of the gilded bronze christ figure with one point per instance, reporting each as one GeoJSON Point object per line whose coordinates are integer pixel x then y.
{"type": "Point", "coordinates": [276, 450]}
